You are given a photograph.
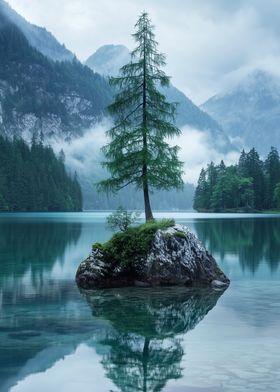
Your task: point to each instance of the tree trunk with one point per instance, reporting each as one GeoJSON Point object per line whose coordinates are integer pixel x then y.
{"type": "Point", "coordinates": [145, 363]}
{"type": "Point", "coordinates": [148, 209]}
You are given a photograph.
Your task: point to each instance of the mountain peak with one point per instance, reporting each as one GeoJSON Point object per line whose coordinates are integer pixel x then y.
{"type": "Point", "coordinates": [250, 110]}
{"type": "Point", "coordinates": [257, 80]}
{"type": "Point", "coordinates": [108, 59]}
{"type": "Point", "coordinates": [38, 37]}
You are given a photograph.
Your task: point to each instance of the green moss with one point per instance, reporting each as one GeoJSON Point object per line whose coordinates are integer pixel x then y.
{"type": "Point", "coordinates": [180, 234]}
{"type": "Point", "coordinates": [132, 244]}
{"type": "Point", "coordinates": [98, 245]}
{"type": "Point", "coordinates": [168, 236]}
{"type": "Point", "coordinates": [157, 224]}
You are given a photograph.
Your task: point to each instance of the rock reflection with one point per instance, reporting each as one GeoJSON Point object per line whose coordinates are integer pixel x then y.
{"type": "Point", "coordinates": [145, 348]}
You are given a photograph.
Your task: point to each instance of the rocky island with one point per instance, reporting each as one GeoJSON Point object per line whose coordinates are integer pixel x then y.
{"type": "Point", "coordinates": [158, 253]}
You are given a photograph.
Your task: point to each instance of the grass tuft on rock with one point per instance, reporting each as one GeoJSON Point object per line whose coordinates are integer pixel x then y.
{"type": "Point", "coordinates": [133, 244]}
{"type": "Point", "coordinates": [180, 234]}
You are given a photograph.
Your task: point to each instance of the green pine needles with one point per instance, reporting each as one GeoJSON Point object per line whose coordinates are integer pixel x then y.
{"type": "Point", "coordinates": [138, 152]}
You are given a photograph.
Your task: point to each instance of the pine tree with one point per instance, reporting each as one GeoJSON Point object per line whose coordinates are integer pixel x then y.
{"type": "Point", "coordinates": [242, 164]}
{"type": "Point", "coordinates": [221, 168]}
{"type": "Point", "coordinates": [272, 166]}
{"type": "Point", "coordinates": [255, 171]}
{"type": "Point", "coordinates": [201, 197]}
{"type": "Point", "coordinates": [138, 152]}
{"type": "Point", "coordinates": [276, 195]}
{"type": "Point", "coordinates": [34, 179]}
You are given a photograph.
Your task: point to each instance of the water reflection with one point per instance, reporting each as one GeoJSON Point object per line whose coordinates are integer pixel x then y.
{"type": "Point", "coordinates": [29, 299]}
{"type": "Point", "coordinates": [254, 241]}
{"type": "Point", "coordinates": [145, 341]}
{"type": "Point", "coordinates": [37, 331]}
{"type": "Point", "coordinates": [34, 245]}
{"type": "Point", "coordinates": [49, 339]}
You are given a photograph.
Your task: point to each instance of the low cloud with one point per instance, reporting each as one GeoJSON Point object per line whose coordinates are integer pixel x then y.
{"type": "Point", "coordinates": [84, 154]}
{"type": "Point", "coordinates": [196, 152]}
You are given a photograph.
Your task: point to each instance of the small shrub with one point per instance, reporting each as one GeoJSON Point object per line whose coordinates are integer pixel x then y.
{"type": "Point", "coordinates": [121, 219]}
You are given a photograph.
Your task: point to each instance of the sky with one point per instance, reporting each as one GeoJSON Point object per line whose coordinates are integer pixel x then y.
{"type": "Point", "coordinates": [209, 45]}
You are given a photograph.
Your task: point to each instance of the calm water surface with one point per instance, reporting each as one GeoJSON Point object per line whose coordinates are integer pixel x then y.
{"type": "Point", "coordinates": [55, 338]}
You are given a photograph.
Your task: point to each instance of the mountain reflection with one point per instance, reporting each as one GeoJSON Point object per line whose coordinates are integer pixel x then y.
{"type": "Point", "coordinates": [252, 240]}
{"type": "Point", "coordinates": [145, 348]}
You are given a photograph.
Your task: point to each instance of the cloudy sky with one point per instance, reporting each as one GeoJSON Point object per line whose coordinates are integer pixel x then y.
{"type": "Point", "coordinates": [209, 44]}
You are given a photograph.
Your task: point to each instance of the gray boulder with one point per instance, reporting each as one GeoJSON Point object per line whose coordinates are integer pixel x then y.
{"type": "Point", "coordinates": [175, 258]}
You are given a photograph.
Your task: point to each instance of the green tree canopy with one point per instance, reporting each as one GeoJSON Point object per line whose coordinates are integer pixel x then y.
{"type": "Point", "coordinates": [138, 152]}
{"type": "Point", "coordinates": [249, 185]}
{"type": "Point", "coordinates": [34, 179]}
{"type": "Point", "coordinates": [272, 168]}
{"type": "Point", "coordinates": [276, 195]}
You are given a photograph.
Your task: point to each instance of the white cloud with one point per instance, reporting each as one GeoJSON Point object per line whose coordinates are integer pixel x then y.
{"type": "Point", "coordinates": [196, 152]}
{"type": "Point", "coordinates": [84, 155]}
{"type": "Point", "coordinates": [208, 44]}
{"type": "Point", "coordinates": [69, 374]}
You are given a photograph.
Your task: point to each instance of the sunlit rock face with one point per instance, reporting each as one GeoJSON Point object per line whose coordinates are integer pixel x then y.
{"type": "Point", "coordinates": [175, 257]}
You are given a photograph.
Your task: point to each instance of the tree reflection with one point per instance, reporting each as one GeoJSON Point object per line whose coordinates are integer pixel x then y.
{"type": "Point", "coordinates": [252, 240]}
{"type": "Point", "coordinates": [145, 348]}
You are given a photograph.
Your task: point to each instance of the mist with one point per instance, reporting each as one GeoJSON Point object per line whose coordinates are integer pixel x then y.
{"type": "Point", "coordinates": [84, 155]}
{"type": "Point", "coordinates": [196, 152]}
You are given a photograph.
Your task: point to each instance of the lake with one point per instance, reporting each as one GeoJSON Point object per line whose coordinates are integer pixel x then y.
{"type": "Point", "coordinates": [55, 338]}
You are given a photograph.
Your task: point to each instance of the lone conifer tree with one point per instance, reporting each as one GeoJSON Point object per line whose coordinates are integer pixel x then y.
{"type": "Point", "coordinates": [138, 152]}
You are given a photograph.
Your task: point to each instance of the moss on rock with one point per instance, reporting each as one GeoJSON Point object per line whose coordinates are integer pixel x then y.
{"type": "Point", "coordinates": [133, 244]}
{"type": "Point", "coordinates": [158, 253]}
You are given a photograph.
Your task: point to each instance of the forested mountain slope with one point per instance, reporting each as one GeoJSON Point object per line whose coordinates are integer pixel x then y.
{"type": "Point", "coordinates": [34, 179]}
{"type": "Point", "coordinates": [39, 95]}
{"type": "Point", "coordinates": [250, 111]}
{"type": "Point", "coordinates": [38, 37]}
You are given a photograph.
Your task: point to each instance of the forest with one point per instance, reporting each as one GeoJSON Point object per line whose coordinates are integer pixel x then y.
{"type": "Point", "coordinates": [251, 185]}
{"type": "Point", "coordinates": [32, 178]}
{"type": "Point", "coordinates": [32, 83]}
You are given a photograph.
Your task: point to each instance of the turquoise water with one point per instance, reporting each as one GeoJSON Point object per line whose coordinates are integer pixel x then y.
{"type": "Point", "coordinates": [55, 338]}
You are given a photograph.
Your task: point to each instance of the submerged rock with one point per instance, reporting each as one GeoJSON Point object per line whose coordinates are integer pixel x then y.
{"type": "Point", "coordinates": [175, 257]}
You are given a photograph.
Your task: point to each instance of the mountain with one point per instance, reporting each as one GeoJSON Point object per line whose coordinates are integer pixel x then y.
{"type": "Point", "coordinates": [57, 101]}
{"type": "Point", "coordinates": [250, 111]}
{"type": "Point", "coordinates": [107, 61]}
{"type": "Point", "coordinates": [38, 37]}
{"type": "Point", "coordinates": [39, 95]}
{"type": "Point", "coordinates": [45, 91]}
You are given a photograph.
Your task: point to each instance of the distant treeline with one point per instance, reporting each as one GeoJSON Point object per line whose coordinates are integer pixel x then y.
{"type": "Point", "coordinates": [32, 178]}
{"type": "Point", "coordinates": [251, 185]}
